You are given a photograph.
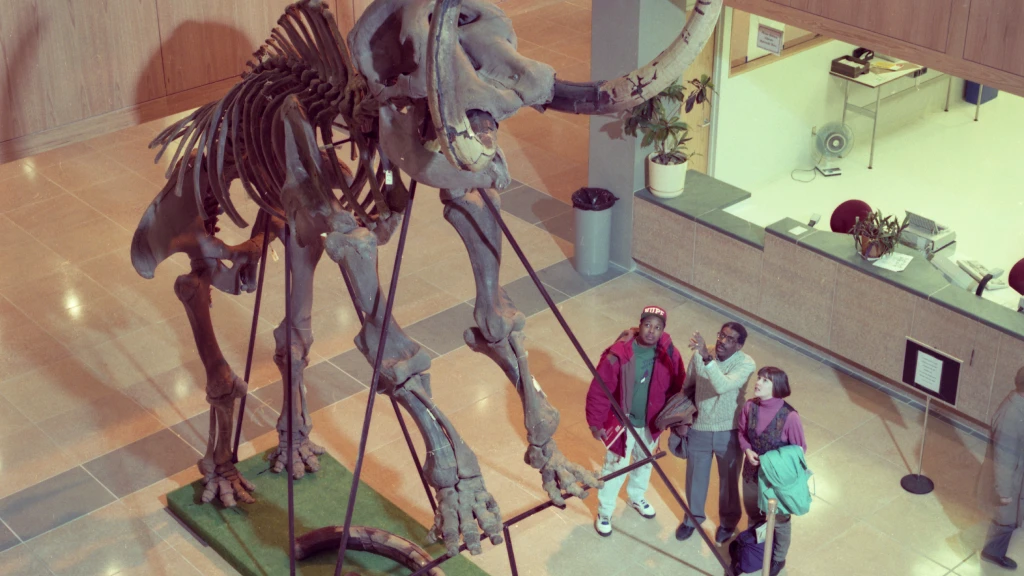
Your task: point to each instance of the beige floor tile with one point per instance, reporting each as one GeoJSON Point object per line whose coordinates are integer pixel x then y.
{"type": "Point", "coordinates": [96, 237]}
{"type": "Point", "coordinates": [11, 420]}
{"type": "Point", "coordinates": [53, 389]}
{"type": "Point", "coordinates": [162, 562]}
{"type": "Point", "coordinates": [50, 217]}
{"type": "Point", "coordinates": [20, 561]}
{"type": "Point", "coordinates": [25, 258]}
{"type": "Point", "coordinates": [150, 505]}
{"type": "Point", "coordinates": [942, 526]}
{"type": "Point", "coordinates": [124, 198]}
{"type": "Point", "coordinates": [64, 153]}
{"type": "Point", "coordinates": [860, 403]}
{"type": "Point", "coordinates": [29, 457]}
{"type": "Point", "coordinates": [24, 188]}
{"type": "Point", "coordinates": [106, 541]}
{"type": "Point", "coordinates": [853, 479]}
{"type": "Point", "coordinates": [24, 346]}
{"type": "Point", "coordinates": [103, 425]}
{"type": "Point", "coordinates": [176, 395]}
{"type": "Point", "coordinates": [865, 550]}
{"type": "Point", "coordinates": [338, 427]}
{"type": "Point", "coordinates": [816, 533]}
{"type": "Point", "coordinates": [15, 168]}
{"type": "Point", "coordinates": [92, 323]}
{"type": "Point", "coordinates": [56, 293]}
{"type": "Point", "coordinates": [560, 182]}
{"type": "Point", "coordinates": [152, 299]}
{"type": "Point", "coordinates": [82, 171]}
{"type": "Point", "coordinates": [623, 298]}
{"type": "Point", "coordinates": [590, 326]}
{"type": "Point", "coordinates": [975, 566]}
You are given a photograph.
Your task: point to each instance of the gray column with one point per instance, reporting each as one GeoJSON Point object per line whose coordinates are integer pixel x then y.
{"type": "Point", "coordinates": [625, 34]}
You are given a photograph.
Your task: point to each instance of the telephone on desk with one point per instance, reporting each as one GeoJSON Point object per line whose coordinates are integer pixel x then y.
{"type": "Point", "coordinates": [970, 275]}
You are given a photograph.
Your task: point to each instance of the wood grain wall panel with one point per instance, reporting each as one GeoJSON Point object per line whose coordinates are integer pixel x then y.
{"type": "Point", "coordinates": [995, 34]}
{"type": "Point", "coordinates": [812, 6]}
{"type": "Point", "coordinates": [921, 22]}
{"type": "Point", "coordinates": [206, 41]}
{"type": "Point", "coordinates": [61, 62]}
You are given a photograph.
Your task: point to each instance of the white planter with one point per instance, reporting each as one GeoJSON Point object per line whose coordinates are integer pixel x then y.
{"type": "Point", "coordinates": [666, 180]}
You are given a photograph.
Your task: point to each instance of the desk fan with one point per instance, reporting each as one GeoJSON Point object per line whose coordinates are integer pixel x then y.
{"type": "Point", "coordinates": [835, 140]}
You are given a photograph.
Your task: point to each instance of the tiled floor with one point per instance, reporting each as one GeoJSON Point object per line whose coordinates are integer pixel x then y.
{"type": "Point", "coordinates": [102, 408]}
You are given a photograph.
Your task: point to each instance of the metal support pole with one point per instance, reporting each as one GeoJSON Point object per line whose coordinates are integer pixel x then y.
{"type": "Point", "coordinates": [511, 553]}
{"type": "Point", "coordinates": [919, 483]}
{"type": "Point", "coordinates": [593, 370]}
{"type": "Point", "coordinates": [949, 90]}
{"type": "Point", "coordinates": [977, 105]}
{"type": "Point", "coordinates": [874, 126]}
{"type": "Point", "coordinates": [924, 433]}
{"type": "Point", "coordinates": [374, 382]}
{"type": "Point", "coordinates": [769, 538]}
{"type": "Point", "coordinates": [290, 396]}
{"type": "Point", "coordinates": [252, 336]}
{"type": "Point", "coordinates": [846, 98]}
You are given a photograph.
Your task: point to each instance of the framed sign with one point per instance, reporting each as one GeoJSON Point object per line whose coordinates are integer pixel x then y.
{"type": "Point", "coordinates": [770, 39]}
{"type": "Point", "coordinates": [931, 371]}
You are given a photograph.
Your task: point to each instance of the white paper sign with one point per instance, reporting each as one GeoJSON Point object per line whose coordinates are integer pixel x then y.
{"type": "Point", "coordinates": [770, 39]}
{"type": "Point", "coordinates": [797, 230]}
{"type": "Point", "coordinates": [389, 178]}
{"type": "Point", "coordinates": [928, 373]}
{"type": "Point", "coordinates": [894, 261]}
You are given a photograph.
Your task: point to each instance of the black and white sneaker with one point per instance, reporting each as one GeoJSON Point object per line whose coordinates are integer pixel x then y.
{"type": "Point", "coordinates": [645, 509]}
{"type": "Point", "coordinates": [603, 525]}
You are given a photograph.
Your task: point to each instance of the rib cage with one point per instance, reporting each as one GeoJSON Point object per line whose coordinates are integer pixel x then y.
{"type": "Point", "coordinates": [238, 135]}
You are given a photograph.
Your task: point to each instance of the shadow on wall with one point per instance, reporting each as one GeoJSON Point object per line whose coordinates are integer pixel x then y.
{"type": "Point", "coordinates": [196, 54]}
{"type": "Point", "coordinates": [26, 51]}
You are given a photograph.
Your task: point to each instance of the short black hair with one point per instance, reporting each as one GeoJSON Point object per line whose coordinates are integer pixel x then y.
{"type": "Point", "coordinates": [779, 380]}
{"type": "Point", "coordinates": [741, 332]}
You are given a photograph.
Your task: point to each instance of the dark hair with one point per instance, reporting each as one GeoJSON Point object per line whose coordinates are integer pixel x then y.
{"type": "Point", "coordinates": [1019, 380]}
{"type": "Point", "coordinates": [741, 332]}
{"type": "Point", "coordinates": [779, 380]}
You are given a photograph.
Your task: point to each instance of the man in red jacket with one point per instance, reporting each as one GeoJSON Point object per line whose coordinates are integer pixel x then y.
{"type": "Point", "coordinates": [642, 369]}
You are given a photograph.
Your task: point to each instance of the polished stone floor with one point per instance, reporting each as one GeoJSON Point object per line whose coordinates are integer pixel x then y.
{"type": "Point", "coordinates": [102, 408]}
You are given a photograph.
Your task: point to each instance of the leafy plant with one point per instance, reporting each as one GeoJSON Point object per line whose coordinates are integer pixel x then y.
{"type": "Point", "coordinates": [877, 235]}
{"type": "Point", "coordinates": [658, 119]}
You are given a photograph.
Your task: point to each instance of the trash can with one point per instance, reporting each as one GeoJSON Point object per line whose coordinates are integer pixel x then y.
{"type": "Point", "coordinates": [971, 92]}
{"type": "Point", "coordinates": [593, 223]}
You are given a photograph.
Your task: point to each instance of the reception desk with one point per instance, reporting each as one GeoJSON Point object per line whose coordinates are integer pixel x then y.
{"type": "Point", "coordinates": [815, 286]}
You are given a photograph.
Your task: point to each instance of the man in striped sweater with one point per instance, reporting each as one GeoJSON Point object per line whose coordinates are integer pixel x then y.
{"type": "Point", "coordinates": [718, 384]}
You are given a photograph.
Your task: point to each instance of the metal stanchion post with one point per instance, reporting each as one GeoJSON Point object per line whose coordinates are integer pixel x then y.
{"type": "Point", "coordinates": [769, 537]}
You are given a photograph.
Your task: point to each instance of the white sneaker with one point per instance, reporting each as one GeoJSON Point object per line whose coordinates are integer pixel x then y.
{"type": "Point", "coordinates": [603, 525]}
{"type": "Point", "coordinates": [645, 509]}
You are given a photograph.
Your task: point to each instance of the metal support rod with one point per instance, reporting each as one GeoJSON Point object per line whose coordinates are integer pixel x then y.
{"type": "Point", "coordinates": [769, 538]}
{"type": "Point", "coordinates": [846, 99]}
{"type": "Point", "coordinates": [394, 403]}
{"type": "Point", "coordinates": [373, 383]}
{"type": "Point", "coordinates": [949, 90]}
{"type": "Point", "coordinates": [977, 105]}
{"type": "Point", "coordinates": [874, 126]}
{"type": "Point", "coordinates": [511, 552]}
{"type": "Point", "coordinates": [597, 377]}
{"type": "Point", "coordinates": [252, 337]}
{"type": "Point", "coordinates": [924, 432]}
{"type": "Point", "coordinates": [290, 392]}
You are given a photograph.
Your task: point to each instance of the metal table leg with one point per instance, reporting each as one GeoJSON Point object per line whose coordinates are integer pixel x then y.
{"type": "Point", "coordinates": [874, 127]}
{"type": "Point", "coordinates": [846, 98]}
{"type": "Point", "coordinates": [977, 106]}
{"type": "Point", "coordinates": [949, 89]}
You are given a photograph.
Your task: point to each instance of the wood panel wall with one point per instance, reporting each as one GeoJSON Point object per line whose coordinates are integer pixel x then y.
{"type": "Point", "coordinates": [995, 35]}
{"type": "Point", "coordinates": [69, 68]}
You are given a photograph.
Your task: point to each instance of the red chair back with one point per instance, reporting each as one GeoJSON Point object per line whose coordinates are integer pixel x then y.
{"type": "Point", "coordinates": [1016, 278]}
{"type": "Point", "coordinates": [846, 214]}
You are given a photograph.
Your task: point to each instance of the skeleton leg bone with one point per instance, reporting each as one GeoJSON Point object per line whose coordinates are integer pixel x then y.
{"type": "Point", "coordinates": [450, 466]}
{"type": "Point", "coordinates": [304, 450]}
{"type": "Point", "coordinates": [220, 476]}
{"type": "Point", "coordinates": [499, 335]}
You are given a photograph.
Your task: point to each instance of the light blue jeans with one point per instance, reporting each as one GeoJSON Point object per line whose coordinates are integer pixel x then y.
{"type": "Point", "coordinates": [638, 478]}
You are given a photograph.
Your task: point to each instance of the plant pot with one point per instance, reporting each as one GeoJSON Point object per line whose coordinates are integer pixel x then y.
{"type": "Point", "coordinates": [666, 180]}
{"type": "Point", "coordinates": [870, 249]}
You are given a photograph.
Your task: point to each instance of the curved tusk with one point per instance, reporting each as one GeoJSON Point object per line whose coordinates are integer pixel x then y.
{"type": "Point", "coordinates": [459, 143]}
{"type": "Point", "coordinates": [644, 83]}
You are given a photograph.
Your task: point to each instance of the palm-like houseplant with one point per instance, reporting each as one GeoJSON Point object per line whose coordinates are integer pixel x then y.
{"type": "Point", "coordinates": [658, 121]}
{"type": "Point", "coordinates": [875, 235]}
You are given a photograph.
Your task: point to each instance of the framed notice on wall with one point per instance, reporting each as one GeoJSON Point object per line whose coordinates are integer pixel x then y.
{"type": "Point", "coordinates": [931, 371]}
{"type": "Point", "coordinates": [770, 39]}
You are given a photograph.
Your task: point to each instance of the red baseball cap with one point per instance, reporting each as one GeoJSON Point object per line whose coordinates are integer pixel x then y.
{"type": "Point", "coordinates": [654, 311]}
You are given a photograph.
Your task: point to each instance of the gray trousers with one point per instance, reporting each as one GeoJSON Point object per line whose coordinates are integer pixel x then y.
{"type": "Point", "coordinates": [998, 540]}
{"type": "Point", "coordinates": [725, 448]}
{"type": "Point", "coordinates": [783, 525]}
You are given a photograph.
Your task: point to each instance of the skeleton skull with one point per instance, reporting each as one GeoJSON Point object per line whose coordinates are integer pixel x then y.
{"type": "Point", "coordinates": [389, 44]}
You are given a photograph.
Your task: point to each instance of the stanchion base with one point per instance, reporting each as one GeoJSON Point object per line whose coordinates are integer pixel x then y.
{"type": "Point", "coordinates": [917, 484]}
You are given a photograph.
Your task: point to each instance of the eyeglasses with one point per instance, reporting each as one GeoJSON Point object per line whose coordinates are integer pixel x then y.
{"type": "Point", "coordinates": [727, 338]}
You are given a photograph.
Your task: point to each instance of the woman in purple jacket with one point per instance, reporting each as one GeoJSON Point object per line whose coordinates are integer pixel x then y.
{"type": "Point", "coordinates": [767, 422]}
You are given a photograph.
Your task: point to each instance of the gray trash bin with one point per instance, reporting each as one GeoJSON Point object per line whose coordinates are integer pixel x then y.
{"type": "Point", "coordinates": [593, 223]}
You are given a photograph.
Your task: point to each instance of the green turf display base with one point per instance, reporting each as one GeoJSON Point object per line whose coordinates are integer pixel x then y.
{"type": "Point", "coordinates": [253, 538]}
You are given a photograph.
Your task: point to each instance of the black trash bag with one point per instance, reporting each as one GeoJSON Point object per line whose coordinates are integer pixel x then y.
{"type": "Point", "coordinates": [593, 199]}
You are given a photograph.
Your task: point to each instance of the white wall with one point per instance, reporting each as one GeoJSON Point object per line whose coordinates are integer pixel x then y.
{"type": "Point", "coordinates": [765, 116]}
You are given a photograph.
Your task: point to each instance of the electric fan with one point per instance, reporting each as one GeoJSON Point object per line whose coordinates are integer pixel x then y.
{"type": "Point", "coordinates": [835, 140]}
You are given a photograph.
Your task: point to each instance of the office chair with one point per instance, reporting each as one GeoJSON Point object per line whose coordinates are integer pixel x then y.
{"type": "Point", "coordinates": [1016, 277]}
{"type": "Point", "coordinates": [846, 214]}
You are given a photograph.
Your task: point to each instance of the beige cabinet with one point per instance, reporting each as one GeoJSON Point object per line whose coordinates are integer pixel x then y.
{"type": "Point", "coordinates": [995, 35]}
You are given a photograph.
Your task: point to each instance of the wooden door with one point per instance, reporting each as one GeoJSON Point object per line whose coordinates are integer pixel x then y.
{"type": "Point", "coordinates": [995, 35]}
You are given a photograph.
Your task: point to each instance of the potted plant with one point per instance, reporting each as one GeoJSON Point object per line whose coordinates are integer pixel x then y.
{"type": "Point", "coordinates": [875, 235]}
{"type": "Point", "coordinates": [658, 121]}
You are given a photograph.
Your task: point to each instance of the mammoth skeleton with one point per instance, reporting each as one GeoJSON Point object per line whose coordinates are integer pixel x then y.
{"type": "Point", "coordinates": [419, 88]}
